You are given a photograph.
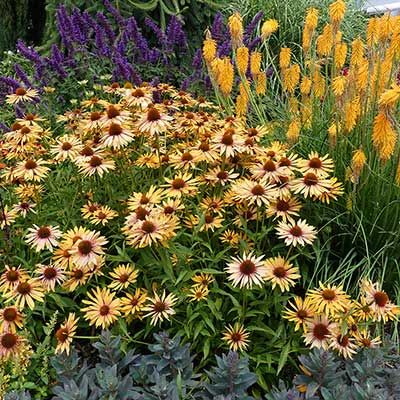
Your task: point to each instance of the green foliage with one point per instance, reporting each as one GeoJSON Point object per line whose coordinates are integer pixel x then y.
{"type": "Point", "coordinates": [372, 374]}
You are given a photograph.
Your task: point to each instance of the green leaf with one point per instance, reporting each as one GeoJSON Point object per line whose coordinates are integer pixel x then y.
{"type": "Point", "coordinates": [283, 357]}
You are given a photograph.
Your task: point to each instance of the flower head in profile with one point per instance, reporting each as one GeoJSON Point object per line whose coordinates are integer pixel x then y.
{"type": "Point", "coordinates": [65, 333]}
{"type": "Point", "coordinates": [102, 308]}
{"type": "Point", "coordinates": [246, 271]}
{"type": "Point", "coordinates": [160, 307]}
{"type": "Point", "coordinates": [237, 337]}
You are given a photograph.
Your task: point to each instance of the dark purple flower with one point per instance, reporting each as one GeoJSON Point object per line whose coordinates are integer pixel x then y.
{"type": "Point", "coordinates": [217, 27]}
{"type": "Point", "coordinates": [105, 23]}
{"type": "Point", "coordinates": [102, 49]}
{"type": "Point", "coordinates": [22, 76]}
{"type": "Point", "coordinates": [19, 112]}
{"type": "Point", "coordinates": [78, 27]}
{"type": "Point", "coordinates": [115, 13]}
{"type": "Point", "coordinates": [269, 72]}
{"type": "Point", "coordinates": [10, 83]}
{"type": "Point", "coordinates": [4, 128]}
{"type": "Point", "coordinates": [56, 61]}
{"type": "Point", "coordinates": [156, 29]}
{"type": "Point", "coordinates": [64, 26]}
{"type": "Point", "coordinates": [254, 43]}
{"type": "Point", "coordinates": [29, 53]}
{"type": "Point", "coordinates": [157, 96]}
{"type": "Point", "coordinates": [225, 49]}
{"type": "Point", "coordinates": [252, 26]}
{"type": "Point", "coordinates": [197, 62]}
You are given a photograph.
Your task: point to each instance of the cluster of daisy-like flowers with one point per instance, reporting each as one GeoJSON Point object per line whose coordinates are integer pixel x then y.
{"type": "Point", "coordinates": [330, 319]}
{"type": "Point", "coordinates": [208, 174]}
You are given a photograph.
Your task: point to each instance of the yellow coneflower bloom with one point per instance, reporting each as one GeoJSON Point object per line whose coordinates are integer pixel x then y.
{"type": "Point", "coordinates": [286, 208]}
{"type": "Point", "coordinates": [86, 250]}
{"type": "Point", "coordinates": [203, 280]}
{"type": "Point", "coordinates": [103, 309]}
{"type": "Point", "coordinates": [7, 217]}
{"type": "Point", "coordinates": [384, 310]}
{"type": "Point", "coordinates": [160, 307]}
{"type": "Point", "coordinates": [32, 170]}
{"type": "Point", "coordinates": [78, 276]}
{"type": "Point", "coordinates": [67, 147]}
{"type": "Point", "coordinates": [26, 292]}
{"type": "Point", "coordinates": [103, 215]}
{"type": "Point", "coordinates": [123, 276]}
{"type": "Point", "coordinates": [154, 122]}
{"type": "Point", "coordinates": [10, 319]}
{"type": "Point", "coordinates": [96, 165]}
{"type": "Point", "coordinates": [65, 333]}
{"type": "Point", "coordinates": [11, 277]}
{"type": "Point", "coordinates": [21, 94]}
{"type": "Point", "coordinates": [236, 337]}
{"type": "Point", "coordinates": [280, 273]}
{"type": "Point", "coordinates": [198, 293]}
{"type": "Point", "coordinates": [364, 340]}
{"type": "Point", "coordinates": [182, 184]}
{"type": "Point", "coordinates": [132, 304]}
{"type": "Point", "coordinates": [299, 312]}
{"type": "Point", "coordinates": [269, 27]}
{"type": "Point", "coordinates": [329, 299]}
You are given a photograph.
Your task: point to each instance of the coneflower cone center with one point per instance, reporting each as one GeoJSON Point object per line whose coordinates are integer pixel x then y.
{"type": "Point", "coordinates": [104, 310]}
{"type": "Point", "coordinates": [320, 331]}
{"type": "Point", "coordinates": [328, 294]}
{"type": "Point", "coordinates": [62, 334]}
{"type": "Point", "coordinates": [50, 273]}
{"type": "Point", "coordinates": [9, 340]}
{"type": "Point", "coordinates": [178, 183]}
{"type": "Point", "coordinates": [30, 164]}
{"type": "Point", "coordinates": [269, 166]}
{"type": "Point", "coordinates": [10, 314]}
{"type": "Point", "coordinates": [66, 146]}
{"type": "Point", "coordinates": [112, 112]}
{"type": "Point", "coordinates": [115, 130]}
{"type": "Point", "coordinates": [381, 299]}
{"type": "Point", "coordinates": [310, 179]}
{"type": "Point", "coordinates": [280, 272]}
{"type": "Point", "coordinates": [159, 306]}
{"type": "Point", "coordinates": [20, 91]}
{"type": "Point", "coordinates": [95, 161]}
{"type": "Point", "coordinates": [153, 115]}
{"type": "Point", "coordinates": [315, 163]}
{"type": "Point", "coordinates": [282, 205]}
{"type": "Point", "coordinates": [247, 267]}
{"type": "Point", "coordinates": [24, 288]}
{"type": "Point", "coordinates": [44, 232]}
{"type": "Point", "coordinates": [148, 227]}
{"type": "Point", "coordinates": [85, 247]}
{"type": "Point", "coordinates": [296, 231]}
{"type": "Point", "coordinates": [12, 276]}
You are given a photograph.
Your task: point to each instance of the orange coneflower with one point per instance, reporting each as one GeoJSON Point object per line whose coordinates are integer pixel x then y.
{"type": "Point", "coordinates": [318, 332]}
{"type": "Point", "coordinates": [86, 249]}
{"type": "Point", "coordinates": [10, 344]}
{"type": "Point", "coordinates": [11, 277]}
{"type": "Point", "coordinates": [329, 299]}
{"type": "Point", "coordinates": [220, 175]}
{"type": "Point", "coordinates": [50, 275]}
{"type": "Point", "coordinates": [286, 208]}
{"type": "Point", "coordinates": [320, 166]}
{"type": "Point", "coordinates": [65, 333]}
{"type": "Point", "coordinates": [21, 94]}
{"type": "Point", "coordinates": [113, 114]}
{"type": "Point", "coordinates": [229, 142]}
{"type": "Point", "coordinates": [198, 293]}
{"type": "Point", "coordinates": [203, 280]}
{"type": "Point", "coordinates": [103, 215]}
{"type": "Point", "coordinates": [160, 307]}
{"type": "Point", "coordinates": [103, 309]}
{"type": "Point", "coordinates": [96, 164]}
{"type": "Point", "coordinates": [310, 185]}
{"type": "Point", "coordinates": [246, 271]}
{"type": "Point", "coordinates": [280, 273]}
{"type": "Point", "coordinates": [132, 304]}
{"type": "Point", "coordinates": [364, 340]}
{"type": "Point", "coordinates": [10, 319]}
{"type": "Point", "coordinates": [300, 312]}
{"type": "Point", "coordinates": [31, 170]}
{"type": "Point", "coordinates": [296, 233]}
{"type": "Point", "coordinates": [139, 97]}
{"type": "Point", "coordinates": [254, 192]}
{"type": "Point", "coordinates": [182, 184]}
{"type": "Point", "coordinates": [153, 196]}
{"type": "Point", "coordinates": [78, 276]}
{"type": "Point", "coordinates": [123, 275]}
{"type": "Point", "coordinates": [237, 337]}
{"type": "Point", "coordinates": [43, 237]}
{"type": "Point", "coordinates": [26, 292]}
{"type": "Point", "coordinates": [154, 122]}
